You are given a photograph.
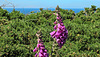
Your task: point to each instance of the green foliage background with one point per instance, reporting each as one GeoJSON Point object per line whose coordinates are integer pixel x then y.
{"type": "Point", "coordinates": [18, 39]}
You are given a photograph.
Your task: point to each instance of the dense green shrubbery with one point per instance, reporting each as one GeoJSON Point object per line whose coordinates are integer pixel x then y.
{"type": "Point", "coordinates": [3, 13]}
{"type": "Point", "coordinates": [17, 32]}
{"type": "Point", "coordinates": [16, 14]}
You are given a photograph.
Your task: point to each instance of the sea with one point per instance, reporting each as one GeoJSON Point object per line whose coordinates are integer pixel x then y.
{"type": "Point", "coordinates": [28, 10]}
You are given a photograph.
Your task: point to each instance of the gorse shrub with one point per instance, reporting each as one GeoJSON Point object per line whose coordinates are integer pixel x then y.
{"type": "Point", "coordinates": [3, 14]}
{"type": "Point", "coordinates": [16, 15]}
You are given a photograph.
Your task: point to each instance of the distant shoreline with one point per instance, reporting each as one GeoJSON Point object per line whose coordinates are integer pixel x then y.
{"type": "Point", "coordinates": [28, 10]}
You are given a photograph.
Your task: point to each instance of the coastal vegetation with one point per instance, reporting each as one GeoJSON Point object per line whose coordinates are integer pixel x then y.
{"type": "Point", "coordinates": [18, 32]}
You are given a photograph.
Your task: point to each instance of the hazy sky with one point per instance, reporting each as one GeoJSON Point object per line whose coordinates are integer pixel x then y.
{"type": "Point", "coordinates": [53, 3]}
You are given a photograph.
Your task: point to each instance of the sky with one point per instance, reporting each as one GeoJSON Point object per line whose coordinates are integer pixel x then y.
{"type": "Point", "coordinates": [52, 3]}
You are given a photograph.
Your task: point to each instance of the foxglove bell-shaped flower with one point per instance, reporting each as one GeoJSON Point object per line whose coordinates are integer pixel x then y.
{"type": "Point", "coordinates": [35, 50]}
{"type": "Point", "coordinates": [55, 27]}
{"type": "Point", "coordinates": [52, 33]}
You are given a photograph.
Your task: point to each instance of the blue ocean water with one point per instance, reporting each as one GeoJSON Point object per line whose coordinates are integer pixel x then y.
{"type": "Point", "coordinates": [28, 10]}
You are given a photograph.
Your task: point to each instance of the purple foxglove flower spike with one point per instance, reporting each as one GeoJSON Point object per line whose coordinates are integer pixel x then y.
{"type": "Point", "coordinates": [61, 32]}
{"type": "Point", "coordinates": [42, 52]}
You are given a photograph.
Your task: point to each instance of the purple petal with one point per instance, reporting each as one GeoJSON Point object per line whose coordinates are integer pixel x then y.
{"type": "Point", "coordinates": [58, 29]}
{"type": "Point", "coordinates": [66, 31]}
{"type": "Point", "coordinates": [57, 17]}
{"type": "Point", "coordinates": [62, 39]}
{"type": "Point", "coordinates": [44, 54]}
{"type": "Point", "coordinates": [60, 21]}
{"type": "Point", "coordinates": [57, 33]}
{"type": "Point", "coordinates": [62, 24]}
{"type": "Point", "coordinates": [40, 55]}
{"type": "Point", "coordinates": [55, 27]}
{"type": "Point", "coordinates": [52, 33]}
{"type": "Point", "coordinates": [62, 42]}
{"type": "Point", "coordinates": [36, 55]}
{"type": "Point", "coordinates": [45, 50]}
{"type": "Point", "coordinates": [58, 40]}
{"type": "Point", "coordinates": [63, 28]}
{"type": "Point", "coordinates": [53, 36]}
{"type": "Point", "coordinates": [38, 45]}
{"type": "Point", "coordinates": [41, 51]}
{"type": "Point", "coordinates": [42, 47]}
{"type": "Point", "coordinates": [39, 40]}
{"type": "Point", "coordinates": [35, 50]}
{"type": "Point", "coordinates": [55, 22]}
{"type": "Point", "coordinates": [59, 26]}
{"type": "Point", "coordinates": [60, 36]}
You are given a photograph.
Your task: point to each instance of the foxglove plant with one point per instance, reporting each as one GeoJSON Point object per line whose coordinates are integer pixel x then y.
{"type": "Point", "coordinates": [60, 34]}
{"type": "Point", "coordinates": [42, 52]}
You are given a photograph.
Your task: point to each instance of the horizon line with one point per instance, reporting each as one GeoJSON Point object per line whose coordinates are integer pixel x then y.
{"type": "Point", "coordinates": [39, 7]}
